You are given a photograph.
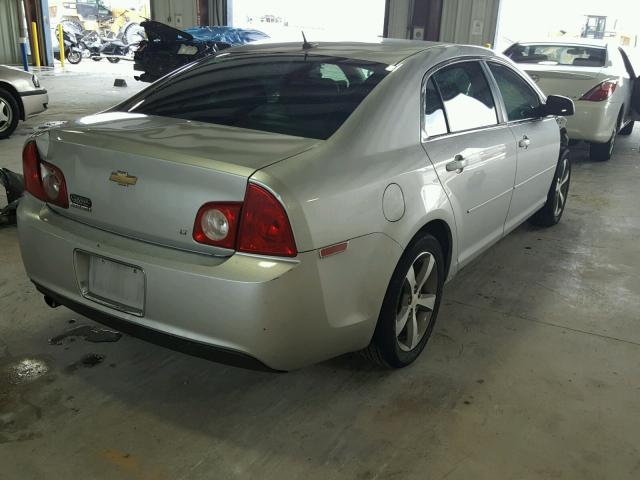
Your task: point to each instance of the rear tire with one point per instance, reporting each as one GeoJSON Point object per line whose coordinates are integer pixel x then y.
{"type": "Point", "coordinates": [628, 128]}
{"type": "Point", "coordinates": [9, 113]}
{"type": "Point", "coordinates": [113, 60]}
{"type": "Point", "coordinates": [551, 213]}
{"type": "Point", "coordinates": [410, 306]}
{"type": "Point", "coordinates": [601, 152]}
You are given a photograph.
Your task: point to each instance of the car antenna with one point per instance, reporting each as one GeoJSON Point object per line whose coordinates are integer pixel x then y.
{"type": "Point", "coordinates": [306, 45]}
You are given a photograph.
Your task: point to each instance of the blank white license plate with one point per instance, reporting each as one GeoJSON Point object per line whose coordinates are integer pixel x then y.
{"type": "Point", "coordinates": [117, 284]}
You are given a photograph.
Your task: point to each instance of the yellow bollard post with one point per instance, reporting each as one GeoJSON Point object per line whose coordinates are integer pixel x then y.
{"type": "Point", "coordinates": [61, 40]}
{"type": "Point", "coordinates": [36, 45]}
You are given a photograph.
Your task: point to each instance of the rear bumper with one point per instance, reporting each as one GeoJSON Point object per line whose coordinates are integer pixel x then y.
{"type": "Point", "coordinates": [283, 313]}
{"type": "Point", "coordinates": [593, 121]}
{"type": "Point", "coordinates": [190, 347]}
{"type": "Point", "coordinates": [34, 102]}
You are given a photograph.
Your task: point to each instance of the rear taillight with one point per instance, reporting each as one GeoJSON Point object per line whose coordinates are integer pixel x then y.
{"type": "Point", "coordinates": [43, 180]}
{"type": "Point", "coordinates": [217, 224]}
{"type": "Point", "coordinates": [259, 225]}
{"type": "Point", "coordinates": [601, 92]}
{"type": "Point", "coordinates": [264, 225]}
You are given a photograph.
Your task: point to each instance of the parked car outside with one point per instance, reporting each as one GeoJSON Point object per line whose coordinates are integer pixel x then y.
{"type": "Point", "coordinates": [94, 10]}
{"type": "Point", "coordinates": [21, 97]}
{"type": "Point", "coordinates": [598, 77]}
{"type": "Point", "coordinates": [167, 48]}
{"type": "Point", "coordinates": [283, 205]}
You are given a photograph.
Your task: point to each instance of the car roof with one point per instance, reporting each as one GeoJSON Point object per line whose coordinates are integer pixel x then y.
{"type": "Point", "coordinates": [386, 51]}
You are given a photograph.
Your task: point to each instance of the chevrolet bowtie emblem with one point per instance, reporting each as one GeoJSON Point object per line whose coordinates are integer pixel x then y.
{"type": "Point", "coordinates": [123, 178]}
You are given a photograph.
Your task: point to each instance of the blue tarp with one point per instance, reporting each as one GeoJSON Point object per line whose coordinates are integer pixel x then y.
{"type": "Point", "coordinates": [233, 36]}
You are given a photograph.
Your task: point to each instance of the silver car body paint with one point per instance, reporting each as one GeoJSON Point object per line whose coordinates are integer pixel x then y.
{"type": "Point", "coordinates": [287, 313]}
{"type": "Point", "coordinates": [33, 99]}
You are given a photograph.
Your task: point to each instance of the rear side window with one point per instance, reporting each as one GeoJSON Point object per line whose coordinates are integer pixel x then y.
{"type": "Point", "coordinates": [435, 122]}
{"type": "Point", "coordinates": [575, 55]}
{"type": "Point", "coordinates": [294, 94]}
{"type": "Point", "coordinates": [520, 100]}
{"type": "Point", "coordinates": [466, 95]}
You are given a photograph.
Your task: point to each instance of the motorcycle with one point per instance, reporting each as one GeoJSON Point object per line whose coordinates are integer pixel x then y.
{"type": "Point", "coordinates": [113, 50]}
{"type": "Point", "coordinates": [72, 46]}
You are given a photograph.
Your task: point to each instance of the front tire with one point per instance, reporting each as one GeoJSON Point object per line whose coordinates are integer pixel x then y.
{"type": "Point", "coordinates": [551, 213]}
{"type": "Point", "coordinates": [74, 57]}
{"type": "Point", "coordinates": [410, 306]}
{"type": "Point", "coordinates": [9, 113]}
{"type": "Point", "coordinates": [113, 60]}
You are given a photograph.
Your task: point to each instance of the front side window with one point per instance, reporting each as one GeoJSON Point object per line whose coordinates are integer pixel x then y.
{"type": "Point", "coordinates": [519, 98]}
{"type": "Point", "coordinates": [466, 95]}
{"type": "Point", "coordinates": [293, 94]}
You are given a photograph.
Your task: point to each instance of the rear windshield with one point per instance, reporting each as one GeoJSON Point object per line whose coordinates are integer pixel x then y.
{"type": "Point", "coordinates": [294, 94]}
{"type": "Point", "coordinates": [577, 56]}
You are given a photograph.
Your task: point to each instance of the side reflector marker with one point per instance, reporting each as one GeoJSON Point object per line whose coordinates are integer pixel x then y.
{"type": "Point", "coordinates": [333, 249]}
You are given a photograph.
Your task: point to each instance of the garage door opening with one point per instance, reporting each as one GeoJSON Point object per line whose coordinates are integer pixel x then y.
{"type": "Point", "coordinates": [329, 20]}
{"type": "Point", "coordinates": [613, 22]}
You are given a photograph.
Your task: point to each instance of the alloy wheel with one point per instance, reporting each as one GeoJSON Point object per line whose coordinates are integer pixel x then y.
{"type": "Point", "coordinates": [562, 188]}
{"type": "Point", "coordinates": [612, 143]}
{"type": "Point", "coordinates": [74, 57]}
{"type": "Point", "coordinates": [417, 301]}
{"type": "Point", "coordinates": [6, 115]}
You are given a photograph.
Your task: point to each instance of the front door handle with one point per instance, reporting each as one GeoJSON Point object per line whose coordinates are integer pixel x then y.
{"type": "Point", "coordinates": [524, 142]}
{"type": "Point", "coordinates": [457, 165]}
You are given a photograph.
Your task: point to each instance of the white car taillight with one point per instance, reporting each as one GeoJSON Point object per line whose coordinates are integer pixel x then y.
{"type": "Point", "coordinates": [601, 92]}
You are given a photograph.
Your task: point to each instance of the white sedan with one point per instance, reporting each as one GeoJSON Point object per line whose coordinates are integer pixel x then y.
{"type": "Point", "coordinates": [599, 78]}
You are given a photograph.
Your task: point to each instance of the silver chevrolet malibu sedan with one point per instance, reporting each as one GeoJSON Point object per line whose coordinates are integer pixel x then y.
{"type": "Point", "coordinates": [281, 204]}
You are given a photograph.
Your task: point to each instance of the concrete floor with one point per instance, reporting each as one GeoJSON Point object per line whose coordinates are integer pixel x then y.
{"type": "Point", "coordinates": [533, 370]}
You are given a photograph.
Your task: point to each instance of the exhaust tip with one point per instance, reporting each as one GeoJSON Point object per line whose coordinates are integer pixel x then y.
{"type": "Point", "coordinates": [51, 302]}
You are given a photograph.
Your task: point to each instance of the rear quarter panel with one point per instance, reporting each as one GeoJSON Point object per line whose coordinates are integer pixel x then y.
{"type": "Point", "coordinates": [334, 192]}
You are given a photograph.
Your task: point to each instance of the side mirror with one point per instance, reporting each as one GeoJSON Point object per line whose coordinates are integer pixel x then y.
{"type": "Point", "coordinates": [558, 105]}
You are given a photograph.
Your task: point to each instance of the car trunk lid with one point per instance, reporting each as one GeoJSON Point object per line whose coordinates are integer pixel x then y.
{"type": "Point", "coordinates": [146, 177]}
{"type": "Point", "coordinates": [570, 81]}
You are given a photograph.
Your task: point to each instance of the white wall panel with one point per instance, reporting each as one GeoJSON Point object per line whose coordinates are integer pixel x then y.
{"type": "Point", "coordinates": [177, 13]}
{"type": "Point", "coordinates": [400, 12]}
{"type": "Point", "coordinates": [469, 21]}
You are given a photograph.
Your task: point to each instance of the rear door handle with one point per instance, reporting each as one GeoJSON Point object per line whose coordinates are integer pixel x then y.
{"type": "Point", "coordinates": [457, 165]}
{"type": "Point", "coordinates": [524, 142]}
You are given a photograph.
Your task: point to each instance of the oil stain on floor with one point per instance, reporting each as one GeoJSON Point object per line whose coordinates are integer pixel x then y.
{"type": "Point", "coordinates": [89, 333]}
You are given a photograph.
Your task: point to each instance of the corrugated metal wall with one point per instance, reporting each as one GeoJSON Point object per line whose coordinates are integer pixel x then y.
{"type": "Point", "coordinates": [177, 13]}
{"type": "Point", "coordinates": [463, 21]}
{"type": "Point", "coordinates": [399, 18]}
{"type": "Point", "coordinates": [469, 21]}
{"type": "Point", "coordinates": [183, 13]}
{"type": "Point", "coordinates": [9, 32]}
